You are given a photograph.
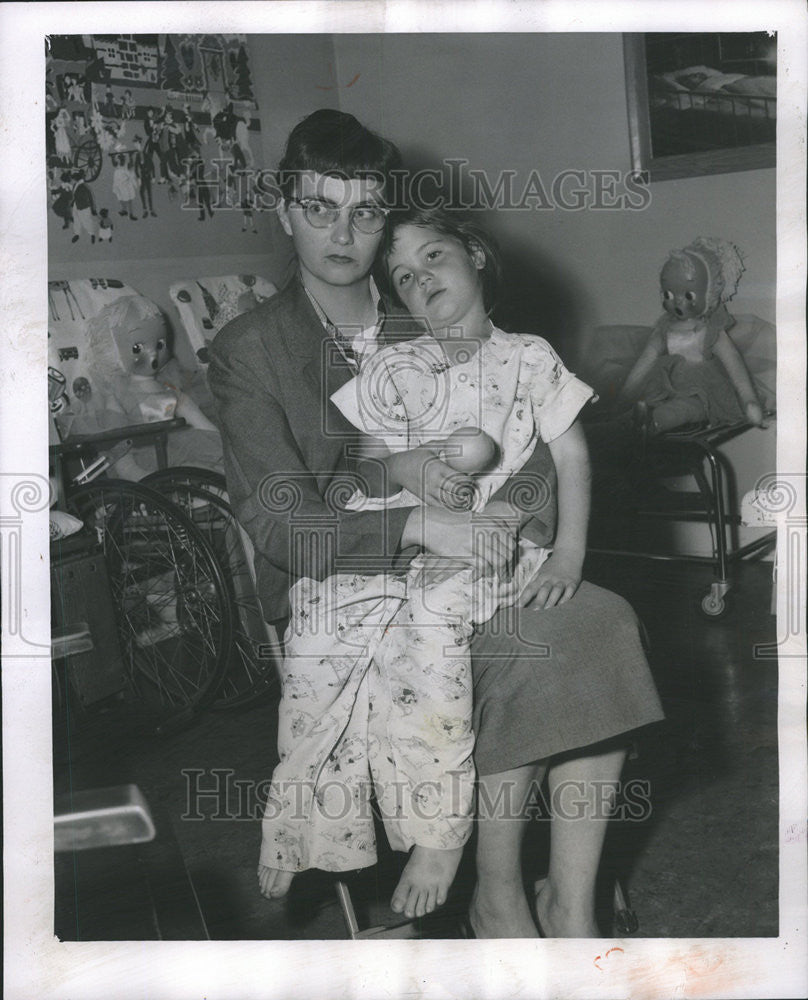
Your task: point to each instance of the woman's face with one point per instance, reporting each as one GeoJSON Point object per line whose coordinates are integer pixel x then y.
{"type": "Point", "coordinates": [436, 278]}
{"type": "Point", "coordinates": [336, 255]}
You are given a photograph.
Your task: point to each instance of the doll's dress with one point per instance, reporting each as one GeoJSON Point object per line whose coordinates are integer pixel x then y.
{"type": "Point", "coordinates": [694, 372]}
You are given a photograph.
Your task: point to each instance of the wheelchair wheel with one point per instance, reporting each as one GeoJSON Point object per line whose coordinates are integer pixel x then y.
{"type": "Point", "coordinates": [188, 475]}
{"type": "Point", "coordinates": [251, 671]}
{"type": "Point", "coordinates": [172, 602]}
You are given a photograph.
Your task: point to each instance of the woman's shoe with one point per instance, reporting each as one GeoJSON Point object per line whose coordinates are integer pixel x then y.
{"type": "Point", "coordinates": [466, 930]}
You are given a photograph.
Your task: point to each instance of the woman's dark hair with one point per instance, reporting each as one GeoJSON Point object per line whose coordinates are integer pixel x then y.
{"type": "Point", "coordinates": [447, 223]}
{"type": "Point", "coordinates": [335, 144]}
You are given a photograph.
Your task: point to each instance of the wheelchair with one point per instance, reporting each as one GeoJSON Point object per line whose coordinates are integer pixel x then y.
{"type": "Point", "coordinates": [189, 626]}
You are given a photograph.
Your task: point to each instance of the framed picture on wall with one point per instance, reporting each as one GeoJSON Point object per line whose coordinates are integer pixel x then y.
{"type": "Point", "coordinates": [701, 102]}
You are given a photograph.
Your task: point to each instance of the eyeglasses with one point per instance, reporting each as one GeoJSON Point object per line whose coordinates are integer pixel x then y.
{"type": "Point", "coordinates": [364, 218]}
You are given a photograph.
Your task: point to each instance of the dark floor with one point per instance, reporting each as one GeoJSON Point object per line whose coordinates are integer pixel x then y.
{"type": "Point", "coordinates": [704, 863]}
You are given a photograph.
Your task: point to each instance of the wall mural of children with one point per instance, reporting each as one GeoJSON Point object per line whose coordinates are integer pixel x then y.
{"type": "Point", "coordinates": [102, 88]}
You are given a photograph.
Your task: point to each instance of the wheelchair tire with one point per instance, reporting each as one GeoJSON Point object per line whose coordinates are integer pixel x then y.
{"type": "Point", "coordinates": [251, 673]}
{"type": "Point", "coordinates": [172, 601]}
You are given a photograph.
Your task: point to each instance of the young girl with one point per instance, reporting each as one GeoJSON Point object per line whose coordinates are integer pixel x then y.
{"type": "Point", "coordinates": [377, 668]}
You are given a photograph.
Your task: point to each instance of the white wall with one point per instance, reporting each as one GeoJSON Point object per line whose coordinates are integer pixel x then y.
{"type": "Point", "coordinates": [554, 102]}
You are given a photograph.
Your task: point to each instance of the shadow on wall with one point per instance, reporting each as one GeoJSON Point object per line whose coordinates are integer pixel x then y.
{"type": "Point", "coordinates": [538, 295]}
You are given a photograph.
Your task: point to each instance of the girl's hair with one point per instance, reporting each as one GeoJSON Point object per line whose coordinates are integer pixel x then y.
{"type": "Point", "coordinates": [335, 144]}
{"type": "Point", "coordinates": [447, 223]}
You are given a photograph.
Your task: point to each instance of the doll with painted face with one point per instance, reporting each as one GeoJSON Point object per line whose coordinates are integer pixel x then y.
{"type": "Point", "coordinates": [690, 371]}
{"type": "Point", "coordinates": [128, 348]}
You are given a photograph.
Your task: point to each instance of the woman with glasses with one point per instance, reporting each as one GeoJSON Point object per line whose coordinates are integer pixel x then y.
{"type": "Point", "coordinates": [288, 460]}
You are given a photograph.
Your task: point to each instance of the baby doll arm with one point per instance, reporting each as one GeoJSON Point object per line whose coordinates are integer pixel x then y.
{"type": "Point", "coordinates": [730, 357]}
{"type": "Point", "coordinates": [559, 577]}
{"type": "Point", "coordinates": [192, 415]}
{"type": "Point", "coordinates": [639, 373]}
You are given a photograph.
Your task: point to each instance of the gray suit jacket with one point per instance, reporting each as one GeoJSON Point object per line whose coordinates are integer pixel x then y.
{"type": "Point", "coordinates": [272, 372]}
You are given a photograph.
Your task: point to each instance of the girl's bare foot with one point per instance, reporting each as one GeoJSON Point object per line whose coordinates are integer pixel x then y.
{"type": "Point", "coordinates": [424, 883]}
{"type": "Point", "coordinates": [273, 883]}
{"type": "Point", "coordinates": [556, 921]}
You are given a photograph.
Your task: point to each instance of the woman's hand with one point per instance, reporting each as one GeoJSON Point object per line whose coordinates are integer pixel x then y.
{"type": "Point", "coordinates": [555, 582]}
{"type": "Point", "coordinates": [421, 472]}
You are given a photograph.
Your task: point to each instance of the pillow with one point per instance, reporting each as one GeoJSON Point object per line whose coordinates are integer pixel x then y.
{"type": "Point", "coordinates": [692, 76]}
{"type": "Point", "coordinates": [754, 86]}
{"type": "Point", "coordinates": [691, 81]}
{"type": "Point", "coordinates": [721, 81]}
{"type": "Point", "coordinates": [667, 82]}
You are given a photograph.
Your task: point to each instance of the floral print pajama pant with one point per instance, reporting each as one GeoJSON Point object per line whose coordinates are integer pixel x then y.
{"type": "Point", "coordinates": [377, 684]}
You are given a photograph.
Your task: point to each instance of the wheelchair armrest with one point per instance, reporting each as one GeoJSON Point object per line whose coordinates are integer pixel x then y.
{"type": "Point", "coordinates": [82, 442]}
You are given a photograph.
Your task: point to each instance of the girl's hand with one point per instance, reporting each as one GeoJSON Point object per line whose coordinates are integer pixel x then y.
{"type": "Point", "coordinates": [421, 472]}
{"type": "Point", "coordinates": [555, 583]}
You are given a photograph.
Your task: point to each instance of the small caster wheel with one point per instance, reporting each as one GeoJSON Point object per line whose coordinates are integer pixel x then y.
{"type": "Point", "coordinates": [714, 606]}
{"type": "Point", "coordinates": [626, 922]}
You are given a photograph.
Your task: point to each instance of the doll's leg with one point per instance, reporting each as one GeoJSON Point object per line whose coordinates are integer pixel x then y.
{"type": "Point", "coordinates": [677, 412]}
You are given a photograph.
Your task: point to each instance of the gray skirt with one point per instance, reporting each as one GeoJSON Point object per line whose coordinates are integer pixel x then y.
{"type": "Point", "coordinates": [547, 682]}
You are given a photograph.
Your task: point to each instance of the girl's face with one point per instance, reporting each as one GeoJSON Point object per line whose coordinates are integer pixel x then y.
{"type": "Point", "coordinates": [438, 279]}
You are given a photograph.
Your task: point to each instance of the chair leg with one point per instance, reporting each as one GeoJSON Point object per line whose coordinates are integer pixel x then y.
{"type": "Point", "coordinates": [625, 919]}
{"type": "Point", "coordinates": [348, 912]}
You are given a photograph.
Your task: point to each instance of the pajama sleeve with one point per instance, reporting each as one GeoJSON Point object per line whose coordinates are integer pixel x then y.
{"type": "Point", "coordinates": [557, 395]}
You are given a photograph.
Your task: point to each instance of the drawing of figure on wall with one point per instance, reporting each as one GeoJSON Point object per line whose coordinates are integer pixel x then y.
{"type": "Point", "coordinates": [59, 126]}
{"type": "Point", "coordinates": [144, 173]}
{"type": "Point", "coordinates": [62, 192]}
{"type": "Point", "coordinates": [105, 226]}
{"type": "Point", "coordinates": [128, 106]}
{"type": "Point", "coordinates": [80, 126]}
{"type": "Point", "coordinates": [153, 127]}
{"type": "Point", "coordinates": [189, 133]}
{"type": "Point", "coordinates": [84, 214]}
{"type": "Point", "coordinates": [172, 146]}
{"type": "Point", "coordinates": [242, 142]}
{"type": "Point", "coordinates": [211, 107]}
{"type": "Point", "coordinates": [107, 106]}
{"type": "Point", "coordinates": [76, 89]}
{"type": "Point", "coordinates": [124, 185]}
{"type": "Point", "coordinates": [196, 185]}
